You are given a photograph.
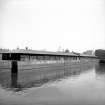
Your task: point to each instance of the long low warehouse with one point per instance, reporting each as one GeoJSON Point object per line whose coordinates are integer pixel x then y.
{"type": "Point", "coordinates": [27, 55]}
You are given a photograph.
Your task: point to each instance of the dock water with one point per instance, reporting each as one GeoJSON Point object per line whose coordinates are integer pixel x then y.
{"type": "Point", "coordinates": [56, 84]}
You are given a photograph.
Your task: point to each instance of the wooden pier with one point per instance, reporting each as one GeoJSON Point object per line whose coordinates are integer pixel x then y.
{"type": "Point", "coordinates": [30, 59]}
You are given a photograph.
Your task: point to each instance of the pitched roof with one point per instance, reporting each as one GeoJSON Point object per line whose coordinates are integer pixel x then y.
{"type": "Point", "coordinates": [22, 51]}
{"type": "Point", "coordinates": [39, 52]}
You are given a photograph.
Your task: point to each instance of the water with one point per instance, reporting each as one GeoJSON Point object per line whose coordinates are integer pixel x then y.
{"type": "Point", "coordinates": [84, 85]}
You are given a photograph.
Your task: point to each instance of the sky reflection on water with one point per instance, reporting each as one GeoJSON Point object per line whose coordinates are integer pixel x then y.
{"type": "Point", "coordinates": [80, 86]}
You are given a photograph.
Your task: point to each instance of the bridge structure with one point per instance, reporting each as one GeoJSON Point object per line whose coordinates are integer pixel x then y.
{"type": "Point", "coordinates": [22, 58]}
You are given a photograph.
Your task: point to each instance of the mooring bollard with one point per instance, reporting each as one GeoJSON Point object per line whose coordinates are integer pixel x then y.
{"type": "Point", "coordinates": [14, 67]}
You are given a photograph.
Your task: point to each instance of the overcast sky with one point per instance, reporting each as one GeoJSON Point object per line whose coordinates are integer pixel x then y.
{"type": "Point", "coordinates": [78, 25]}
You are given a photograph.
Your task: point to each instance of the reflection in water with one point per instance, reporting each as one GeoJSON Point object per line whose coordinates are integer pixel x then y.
{"type": "Point", "coordinates": [100, 69]}
{"type": "Point", "coordinates": [77, 86]}
{"type": "Point", "coordinates": [14, 78]}
{"type": "Point", "coordinates": [14, 83]}
{"type": "Point", "coordinates": [36, 78]}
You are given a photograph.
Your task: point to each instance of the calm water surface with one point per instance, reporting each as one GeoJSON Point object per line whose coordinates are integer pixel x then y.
{"type": "Point", "coordinates": [84, 85]}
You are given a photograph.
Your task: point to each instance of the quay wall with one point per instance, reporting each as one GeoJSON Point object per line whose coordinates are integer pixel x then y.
{"type": "Point", "coordinates": [42, 64]}
{"type": "Point", "coordinates": [31, 65]}
{"type": "Point", "coordinates": [4, 64]}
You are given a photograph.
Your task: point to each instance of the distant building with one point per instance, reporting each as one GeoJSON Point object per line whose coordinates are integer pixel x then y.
{"type": "Point", "coordinates": [3, 50]}
{"type": "Point", "coordinates": [67, 51]}
{"type": "Point", "coordinates": [100, 53]}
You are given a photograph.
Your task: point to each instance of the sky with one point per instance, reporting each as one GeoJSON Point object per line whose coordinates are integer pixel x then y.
{"type": "Point", "coordinates": [78, 25]}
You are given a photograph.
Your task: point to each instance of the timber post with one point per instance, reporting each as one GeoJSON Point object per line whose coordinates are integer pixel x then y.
{"type": "Point", "coordinates": [14, 67]}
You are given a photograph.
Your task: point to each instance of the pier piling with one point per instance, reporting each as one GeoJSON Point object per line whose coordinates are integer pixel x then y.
{"type": "Point", "coordinates": [14, 67]}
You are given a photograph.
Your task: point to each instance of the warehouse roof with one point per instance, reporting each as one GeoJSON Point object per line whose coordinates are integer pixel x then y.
{"type": "Point", "coordinates": [22, 51]}
{"type": "Point", "coordinates": [39, 52]}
